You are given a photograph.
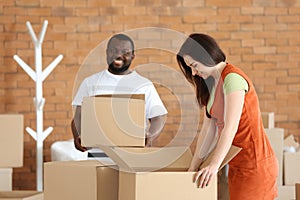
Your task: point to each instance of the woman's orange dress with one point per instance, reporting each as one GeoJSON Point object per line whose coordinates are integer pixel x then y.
{"type": "Point", "coordinates": [253, 172]}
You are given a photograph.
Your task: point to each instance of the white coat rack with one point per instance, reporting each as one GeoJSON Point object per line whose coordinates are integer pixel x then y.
{"type": "Point", "coordinates": [38, 76]}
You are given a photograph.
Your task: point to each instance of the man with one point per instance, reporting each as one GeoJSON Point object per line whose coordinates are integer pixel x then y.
{"type": "Point", "coordinates": [119, 79]}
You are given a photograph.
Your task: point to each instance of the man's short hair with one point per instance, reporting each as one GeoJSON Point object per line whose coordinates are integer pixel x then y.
{"type": "Point", "coordinates": [121, 37]}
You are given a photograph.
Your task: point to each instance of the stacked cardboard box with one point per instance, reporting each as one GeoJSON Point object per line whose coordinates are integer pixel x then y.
{"type": "Point", "coordinates": [287, 156]}
{"type": "Point", "coordinates": [77, 180]}
{"type": "Point", "coordinates": [11, 148]}
{"type": "Point", "coordinates": [142, 173]}
{"type": "Point", "coordinates": [268, 119]}
{"type": "Point", "coordinates": [21, 195]}
{"type": "Point", "coordinates": [291, 163]}
{"type": "Point", "coordinates": [11, 156]}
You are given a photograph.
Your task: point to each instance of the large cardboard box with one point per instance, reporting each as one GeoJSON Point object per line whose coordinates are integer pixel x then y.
{"type": "Point", "coordinates": [6, 179]}
{"type": "Point", "coordinates": [268, 119]}
{"type": "Point", "coordinates": [21, 195]}
{"type": "Point", "coordinates": [170, 182]}
{"type": "Point", "coordinates": [276, 136]}
{"type": "Point", "coordinates": [113, 120]}
{"type": "Point", "coordinates": [297, 191]}
{"type": "Point", "coordinates": [78, 180]}
{"type": "Point", "coordinates": [160, 185]}
{"type": "Point", "coordinates": [291, 168]}
{"type": "Point", "coordinates": [286, 192]}
{"type": "Point", "coordinates": [11, 140]}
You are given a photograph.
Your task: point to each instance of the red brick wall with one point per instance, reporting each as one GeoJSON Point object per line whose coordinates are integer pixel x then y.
{"type": "Point", "coordinates": [260, 36]}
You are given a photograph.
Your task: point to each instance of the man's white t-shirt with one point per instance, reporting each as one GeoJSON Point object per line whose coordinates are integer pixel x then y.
{"type": "Point", "coordinates": [105, 82]}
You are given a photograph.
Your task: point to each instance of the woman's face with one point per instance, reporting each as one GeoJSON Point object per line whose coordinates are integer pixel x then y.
{"type": "Point", "coordinates": [198, 69]}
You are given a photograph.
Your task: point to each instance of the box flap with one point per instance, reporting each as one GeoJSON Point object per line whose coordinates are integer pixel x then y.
{"type": "Point", "coordinates": [149, 159]}
{"type": "Point", "coordinates": [233, 151]}
{"type": "Point", "coordinates": [21, 195]}
{"type": "Point", "coordinates": [80, 163]}
{"type": "Point", "coordinates": [182, 163]}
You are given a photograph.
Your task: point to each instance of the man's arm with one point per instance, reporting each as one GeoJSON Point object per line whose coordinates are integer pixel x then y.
{"type": "Point", "coordinates": [76, 127]}
{"type": "Point", "coordinates": [156, 126]}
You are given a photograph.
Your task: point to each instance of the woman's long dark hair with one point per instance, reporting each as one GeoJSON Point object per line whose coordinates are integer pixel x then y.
{"type": "Point", "coordinates": [205, 50]}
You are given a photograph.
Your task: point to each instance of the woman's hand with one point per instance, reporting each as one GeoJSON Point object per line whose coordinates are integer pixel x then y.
{"type": "Point", "coordinates": [205, 175]}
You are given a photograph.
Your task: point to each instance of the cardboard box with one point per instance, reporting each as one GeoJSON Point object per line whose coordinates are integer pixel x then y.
{"type": "Point", "coordinates": [290, 141]}
{"type": "Point", "coordinates": [117, 120]}
{"type": "Point", "coordinates": [6, 179]}
{"type": "Point", "coordinates": [21, 195]}
{"type": "Point", "coordinates": [177, 185]}
{"type": "Point", "coordinates": [276, 136]}
{"type": "Point", "coordinates": [168, 183]}
{"type": "Point", "coordinates": [11, 140]}
{"type": "Point", "coordinates": [77, 180]}
{"type": "Point", "coordinates": [297, 188]}
{"type": "Point", "coordinates": [291, 168]}
{"type": "Point", "coordinates": [286, 193]}
{"type": "Point", "coordinates": [268, 119]}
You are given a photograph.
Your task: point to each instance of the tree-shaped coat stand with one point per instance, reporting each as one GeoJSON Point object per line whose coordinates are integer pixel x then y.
{"type": "Point", "coordinates": [38, 76]}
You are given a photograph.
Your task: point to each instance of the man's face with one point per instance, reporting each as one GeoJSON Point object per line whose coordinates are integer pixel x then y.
{"type": "Point", "coordinates": [119, 56]}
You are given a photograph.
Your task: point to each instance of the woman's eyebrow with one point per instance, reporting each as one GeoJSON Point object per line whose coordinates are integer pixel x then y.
{"type": "Point", "coordinates": [193, 64]}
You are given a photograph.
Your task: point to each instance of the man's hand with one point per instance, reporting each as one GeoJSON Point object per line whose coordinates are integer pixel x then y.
{"type": "Point", "coordinates": [149, 139]}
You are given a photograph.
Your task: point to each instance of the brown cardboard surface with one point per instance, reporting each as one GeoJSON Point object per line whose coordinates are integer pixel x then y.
{"type": "Point", "coordinates": [6, 179]}
{"type": "Point", "coordinates": [233, 151]}
{"type": "Point", "coordinates": [275, 136]}
{"type": "Point", "coordinates": [149, 159]}
{"type": "Point", "coordinates": [117, 120]}
{"type": "Point", "coordinates": [290, 141]}
{"type": "Point", "coordinates": [291, 163]}
{"type": "Point", "coordinates": [297, 188]}
{"type": "Point", "coordinates": [160, 185]}
{"type": "Point", "coordinates": [176, 185]}
{"type": "Point", "coordinates": [11, 140]}
{"type": "Point", "coordinates": [286, 193]}
{"type": "Point", "coordinates": [268, 119]}
{"type": "Point", "coordinates": [79, 180]}
{"type": "Point", "coordinates": [21, 195]}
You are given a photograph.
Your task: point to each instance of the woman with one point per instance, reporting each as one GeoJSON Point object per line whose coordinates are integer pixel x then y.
{"type": "Point", "coordinates": [232, 116]}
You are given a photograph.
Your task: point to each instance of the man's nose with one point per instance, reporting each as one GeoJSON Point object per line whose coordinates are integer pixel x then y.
{"type": "Point", "coordinates": [118, 53]}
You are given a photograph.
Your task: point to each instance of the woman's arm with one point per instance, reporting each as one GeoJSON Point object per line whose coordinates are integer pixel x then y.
{"type": "Point", "coordinates": [234, 103]}
{"type": "Point", "coordinates": [204, 142]}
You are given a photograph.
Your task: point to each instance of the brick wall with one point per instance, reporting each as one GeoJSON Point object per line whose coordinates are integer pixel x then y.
{"type": "Point", "coordinates": [260, 36]}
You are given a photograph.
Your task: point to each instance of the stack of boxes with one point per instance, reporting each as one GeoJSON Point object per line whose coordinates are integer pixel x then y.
{"type": "Point", "coordinates": [288, 158]}
{"type": "Point", "coordinates": [11, 156]}
{"type": "Point", "coordinates": [116, 125]}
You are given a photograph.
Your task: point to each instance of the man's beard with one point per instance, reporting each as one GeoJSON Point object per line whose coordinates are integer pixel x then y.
{"type": "Point", "coordinates": [116, 70]}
